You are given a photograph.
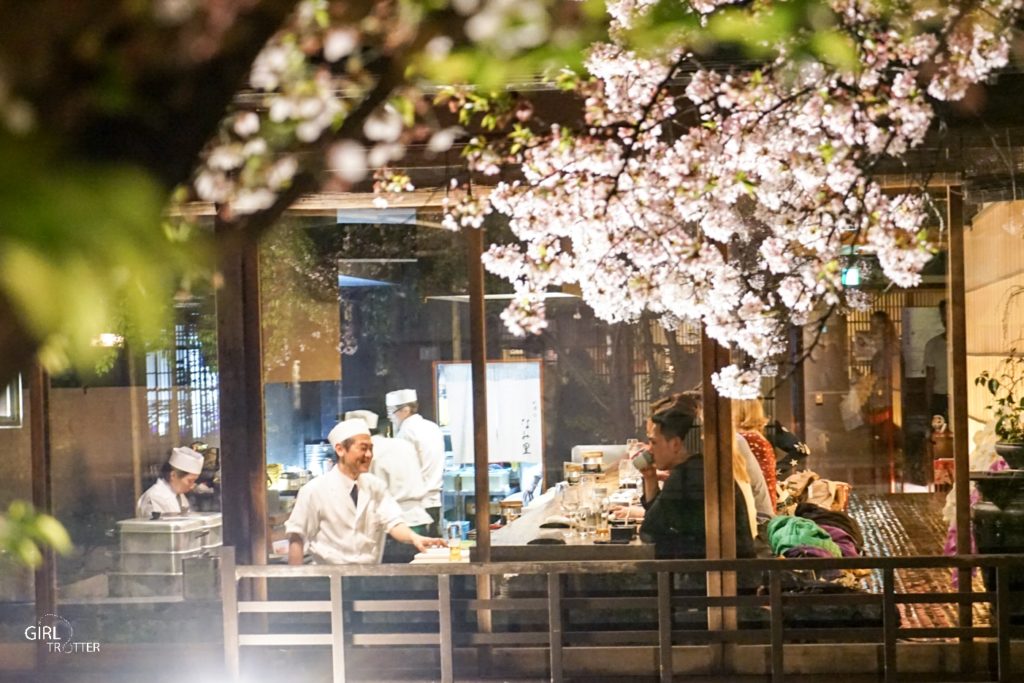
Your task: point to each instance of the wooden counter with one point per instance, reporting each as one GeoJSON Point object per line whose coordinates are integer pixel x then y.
{"type": "Point", "coordinates": [512, 542]}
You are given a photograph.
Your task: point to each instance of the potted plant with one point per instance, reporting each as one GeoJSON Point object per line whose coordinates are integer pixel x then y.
{"type": "Point", "coordinates": [1006, 385]}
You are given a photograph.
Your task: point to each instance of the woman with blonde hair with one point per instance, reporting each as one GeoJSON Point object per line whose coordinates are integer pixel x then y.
{"type": "Point", "coordinates": [742, 478]}
{"type": "Point", "coordinates": [749, 421]}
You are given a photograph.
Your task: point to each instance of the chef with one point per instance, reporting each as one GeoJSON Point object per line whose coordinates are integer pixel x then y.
{"type": "Point", "coordinates": [342, 516]}
{"type": "Point", "coordinates": [426, 436]}
{"type": "Point", "coordinates": [177, 477]}
{"type": "Point", "coordinates": [396, 463]}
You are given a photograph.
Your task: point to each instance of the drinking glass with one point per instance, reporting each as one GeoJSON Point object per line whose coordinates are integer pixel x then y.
{"type": "Point", "coordinates": [570, 503]}
{"type": "Point", "coordinates": [627, 473]}
{"type": "Point", "coordinates": [454, 535]}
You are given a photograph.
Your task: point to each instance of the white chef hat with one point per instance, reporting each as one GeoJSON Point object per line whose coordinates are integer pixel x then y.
{"type": "Point", "coordinates": [347, 429]}
{"type": "Point", "coordinates": [186, 460]}
{"type": "Point", "coordinates": [393, 399]}
{"type": "Point", "coordinates": [367, 416]}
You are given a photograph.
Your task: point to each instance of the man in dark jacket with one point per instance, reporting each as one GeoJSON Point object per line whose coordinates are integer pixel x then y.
{"type": "Point", "coordinates": [674, 518]}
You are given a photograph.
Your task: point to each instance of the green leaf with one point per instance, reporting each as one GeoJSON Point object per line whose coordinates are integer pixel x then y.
{"type": "Point", "coordinates": [836, 48]}
{"type": "Point", "coordinates": [51, 532]}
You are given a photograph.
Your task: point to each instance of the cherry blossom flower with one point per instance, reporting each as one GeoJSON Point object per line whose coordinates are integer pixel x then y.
{"type": "Point", "coordinates": [739, 220]}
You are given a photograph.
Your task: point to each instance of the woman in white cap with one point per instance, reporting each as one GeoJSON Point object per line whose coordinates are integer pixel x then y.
{"type": "Point", "coordinates": [177, 477]}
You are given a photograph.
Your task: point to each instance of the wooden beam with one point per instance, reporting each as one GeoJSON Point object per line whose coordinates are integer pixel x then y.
{"type": "Point", "coordinates": [320, 202]}
{"type": "Point", "coordinates": [244, 475]}
{"type": "Point", "coordinates": [957, 332]}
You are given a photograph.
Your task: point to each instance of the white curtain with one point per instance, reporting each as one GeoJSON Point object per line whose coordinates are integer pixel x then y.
{"type": "Point", "coordinates": [513, 410]}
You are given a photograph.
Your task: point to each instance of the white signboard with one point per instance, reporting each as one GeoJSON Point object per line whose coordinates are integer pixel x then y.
{"type": "Point", "coordinates": [514, 402]}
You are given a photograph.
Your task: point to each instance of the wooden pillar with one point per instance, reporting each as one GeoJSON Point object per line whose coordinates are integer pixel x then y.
{"type": "Point", "coordinates": [478, 362]}
{"type": "Point", "coordinates": [797, 397]}
{"type": "Point", "coordinates": [957, 332]}
{"type": "Point", "coordinates": [42, 492]}
{"type": "Point", "coordinates": [719, 489]}
{"type": "Point", "coordinates": [136, 398]}
{"type": "Point", "coordinates": [243, 463]}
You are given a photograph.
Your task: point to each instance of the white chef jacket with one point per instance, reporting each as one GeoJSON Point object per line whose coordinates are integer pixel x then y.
{"type": "Point", "coordinates": [426, 436]}
{"type": "Point", "coordinates": [160, 497]}
{"type": "Point", "coordinates": [337, 531]}
{"type": "Point", "coordinates": [396, 463]}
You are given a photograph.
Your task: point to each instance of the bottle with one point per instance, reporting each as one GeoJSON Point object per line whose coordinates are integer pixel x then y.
{"type": "Point", "coordinates": [602, 530]}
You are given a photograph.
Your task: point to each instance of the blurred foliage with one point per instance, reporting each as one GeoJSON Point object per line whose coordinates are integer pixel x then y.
{"type": "Point", "coordinates": [24, 532]}
{"type": "Point", "coordinates": [755, 29]}
{"type": "Point", "coordinates": [82, 251]}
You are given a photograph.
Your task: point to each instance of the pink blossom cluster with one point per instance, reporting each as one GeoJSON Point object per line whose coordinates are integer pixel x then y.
{"type": "Point", "coordinates": [729, 197]}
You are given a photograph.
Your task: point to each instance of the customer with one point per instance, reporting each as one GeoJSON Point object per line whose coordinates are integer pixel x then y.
{"type": "Point", "coordinates": [344, 514]}
{"type": "Point", "coordinates": [674, 519]}
{"type": "Point", "coordinates": [749, 421]}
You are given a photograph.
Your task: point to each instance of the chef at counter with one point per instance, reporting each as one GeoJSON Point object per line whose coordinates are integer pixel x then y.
{"type": "Point", "coordinates": [177, 477]}
{"type": "Point", "coordinates": [343, 515]}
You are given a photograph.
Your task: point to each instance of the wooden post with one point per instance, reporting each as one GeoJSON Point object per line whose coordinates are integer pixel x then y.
{"type": "Point", "coordinates": [797, 398]}
{"type": "Point", "coordinates": [957, 332]}
{"type": "Point", "coordinates": [42, 493]}
{"type": "Point", "coordinates": [244, 471]}
{"type": "Point", "coordinates": [135, 397]}
{"type": "Point", "coordinates": [719, 500]}
{"type": "Point", "coordinates": [478, 362]}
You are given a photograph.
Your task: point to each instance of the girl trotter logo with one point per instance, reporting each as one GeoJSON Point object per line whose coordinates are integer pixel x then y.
{"type": "Point", "coordinates": [58, 634]}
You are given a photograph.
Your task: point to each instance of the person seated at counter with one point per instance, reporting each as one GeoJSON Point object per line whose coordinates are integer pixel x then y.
{"type": "Point", "coordinates": [177, 477]}
{"type": "Point", "coordinates": [344, 514]}
{"type": "Point", "coordinates": [674, 513]}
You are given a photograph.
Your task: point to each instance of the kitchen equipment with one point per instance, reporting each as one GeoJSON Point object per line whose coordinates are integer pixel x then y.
{"type": "Point", "coordinates": [511, 510]}
{"type": "Point", "coordinates": [592, 461]}
{"type": "Point", "coordinates": [144, 585]}
{"type": "Point", "coordinates": [214, 524]}
{"type": "Point", "coordinates": [167, 534]}
{"type": "Point", "coordinates": [155, 563]}
{"type": "Point", "coordinates": [498, 480]}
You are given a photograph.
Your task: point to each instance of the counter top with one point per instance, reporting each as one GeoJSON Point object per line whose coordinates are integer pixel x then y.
{"type": "Point", "coordinates": [512, 541]}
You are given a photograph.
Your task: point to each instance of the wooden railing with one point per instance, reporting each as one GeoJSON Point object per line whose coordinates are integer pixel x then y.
{"type": "Point", "coordinates": [663, 637]}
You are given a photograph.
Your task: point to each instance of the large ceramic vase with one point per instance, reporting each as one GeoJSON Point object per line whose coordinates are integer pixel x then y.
{"type": "Point", "coordinates": [998, 522]}
{"type": "Point", "coordinates": [1013, 454]}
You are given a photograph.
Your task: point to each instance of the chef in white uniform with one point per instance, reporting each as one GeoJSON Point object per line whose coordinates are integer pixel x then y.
{"type": "Point", "coordinates": [396, 463]}
{"type": "Point", "coordinates": [167, 495]}
{"type": "Point", "coordinates": [342, 516]}
{"type": "Point", "coordinates": [426, 436]}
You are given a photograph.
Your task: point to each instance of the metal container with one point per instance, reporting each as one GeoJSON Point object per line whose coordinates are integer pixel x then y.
{"type": "Point", "coordinates": [498, 480]}
{"type": "Point", "coordinates": [165, 535]}
{"type": "Point", "coordinates": [155, 563]}
{"type": "Point", "coordinates": [592, 461]}
{"type": "Point", "coordinates": [144, 585]}
{"type": "Point", "coordinates": [214, 524]}
{"type": "Point", "coordinates": [511, 510]}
